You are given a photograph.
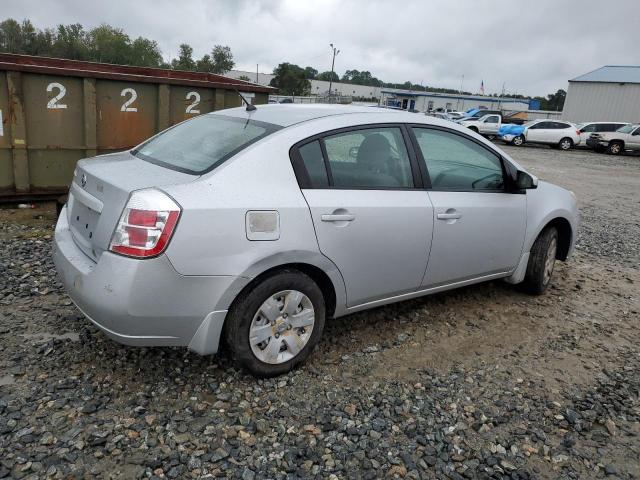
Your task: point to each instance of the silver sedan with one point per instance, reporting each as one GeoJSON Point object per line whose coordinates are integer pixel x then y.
{"type": "Point", "coordinates": [253, 227]}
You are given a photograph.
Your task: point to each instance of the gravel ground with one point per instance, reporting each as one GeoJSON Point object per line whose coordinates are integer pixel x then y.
{"type": "Point", "coordinates": [481, 382]}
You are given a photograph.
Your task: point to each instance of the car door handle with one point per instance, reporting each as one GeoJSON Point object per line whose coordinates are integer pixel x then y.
{"type": "Point", "coordinates": [449, 216]}
{"type": "Point", "coordinates": [344, 217]}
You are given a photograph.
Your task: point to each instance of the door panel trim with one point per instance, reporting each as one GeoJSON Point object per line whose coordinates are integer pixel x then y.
{"type": "Point", "coordinates": [426, 291]}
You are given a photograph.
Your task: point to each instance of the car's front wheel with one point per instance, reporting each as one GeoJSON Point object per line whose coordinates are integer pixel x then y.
{"type": "Point", "coordinates": [518, 140]}
{"type": "Point", "coordinates": [542, 260]}
{"type": "Point", "coordinates": [274, 326]}
{"type": "Point", "coordinates": [615, 148]}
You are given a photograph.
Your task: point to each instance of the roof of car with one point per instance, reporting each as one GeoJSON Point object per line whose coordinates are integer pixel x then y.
{"type": "Point", "coordinates": [589, 123]}
{"type": "Point", "coordinates": [289, 114]}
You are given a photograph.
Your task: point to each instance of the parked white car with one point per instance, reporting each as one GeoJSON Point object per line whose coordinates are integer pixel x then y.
{"type": "Point", "coordinates": [587, 128]}
{"type": "Point", "coordinates": [486, 125]}
{"type": "Point", "coordinates": [558, 134]}
{"type": "Point", "coordinates": [615, 143]}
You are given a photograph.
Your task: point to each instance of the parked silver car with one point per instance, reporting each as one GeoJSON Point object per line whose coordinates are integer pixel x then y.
{"type": "Point", "coordinates": [255, 226]}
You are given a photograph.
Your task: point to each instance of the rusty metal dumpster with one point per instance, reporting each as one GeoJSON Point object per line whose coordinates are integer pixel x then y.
{"type": "Point", "coordinates": [54, 112]}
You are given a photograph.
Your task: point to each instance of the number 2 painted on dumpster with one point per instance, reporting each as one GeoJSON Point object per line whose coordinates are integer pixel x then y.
{"type": "Point", "coordinates": [62, 91]}
{"type": "Point", "coordinates": [196, 100]}
{"type": "Point", "coordinates": [126, 105]}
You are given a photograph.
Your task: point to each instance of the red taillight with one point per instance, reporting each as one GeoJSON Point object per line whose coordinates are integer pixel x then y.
{"type": "Point", "coordinates": [578, 132]}
{"type": "Point", "coordinates": [146, 224]}
{"type": "Point", "coordinates": [144, 218]}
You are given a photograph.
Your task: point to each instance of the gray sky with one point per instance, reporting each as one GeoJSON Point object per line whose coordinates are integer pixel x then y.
{"type": "Point", "coordinates": [532, 46]}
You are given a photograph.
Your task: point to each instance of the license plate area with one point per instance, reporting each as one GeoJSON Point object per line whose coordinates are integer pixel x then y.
{"type": "Point", "coordinates": [83, 222]}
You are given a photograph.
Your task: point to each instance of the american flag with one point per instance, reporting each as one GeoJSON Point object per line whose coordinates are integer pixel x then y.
{"type": "Point", "coordinates": [482, 87]}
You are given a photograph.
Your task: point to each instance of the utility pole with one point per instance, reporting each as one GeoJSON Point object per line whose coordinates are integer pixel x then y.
{"type": "Point", "coordinates": [461, 83]}
{"type": "Point", "coordinates": [257, 73]}
{"type": "Point", "coordinates": [333, 61]}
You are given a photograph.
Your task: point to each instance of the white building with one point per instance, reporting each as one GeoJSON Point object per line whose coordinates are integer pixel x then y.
{"type": "Point", "coordinates": [405, 99]}
{"type": "Point", "coordinates": [429, 101]}
{"type": "Point", "coordinates": [262, 78]}
{"type": "Point", "coordinates": [318, 87]}
{"type": "Point", "coordinates": [610, 93]}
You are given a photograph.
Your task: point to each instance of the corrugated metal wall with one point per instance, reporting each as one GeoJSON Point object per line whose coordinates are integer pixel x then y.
{"type": "Point", "coordinates": [591, 101]}
{"type": "Point", "coordinates": [54, 112]}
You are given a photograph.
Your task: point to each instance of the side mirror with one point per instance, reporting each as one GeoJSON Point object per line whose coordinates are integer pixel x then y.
{"type": "Point", "coordinates": [524, 181]}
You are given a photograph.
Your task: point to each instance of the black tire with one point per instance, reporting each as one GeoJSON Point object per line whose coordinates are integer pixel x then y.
{"type": "Point", "coordinates": [615, 148]}
{"type": "Point", "coordinates": [565, 144]}
{"type": "Point", "coordinates": [535, 280]}
{"type": "Point", "coordinates": [238, 322]}
{"type": "Point", "coordinates": [518, 141]}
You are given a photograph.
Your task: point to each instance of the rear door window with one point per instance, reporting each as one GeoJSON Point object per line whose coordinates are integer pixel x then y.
{"type": "Point", "coordinates": [203, 143]}
{"type": "Point", "coordinates": [369, 158]}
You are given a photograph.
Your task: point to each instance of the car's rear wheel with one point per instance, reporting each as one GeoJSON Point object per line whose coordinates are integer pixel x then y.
{"type": "Point", "coordinates": [565, 144]}
{"type": "Point", "coordinates": [541, 262]}
{"type": "Point", "coordinates": [615, 148]}
{"type": "Point", "coordinates": [518, 140]}
{"type": "Point", "coordinates": [274, 326]}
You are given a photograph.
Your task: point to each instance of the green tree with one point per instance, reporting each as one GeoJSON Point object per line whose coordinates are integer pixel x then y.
{"type": "Point", "coordinates": [71, 41]}
{"type": "Point", "coordinates": [185, 59]}
{"type": "Point", "coordinates": [328, 76]}
{"type": "Point", "coordinates": [310, 73]}
{"type": "Point", "coordinates": [290, 79]}
{"type": "Point", "coordinates": [244, 78]}
{"type": "Point", "coordinates": [11, 36]}
{"type": "Point", "coordinates": [222, 59]}
{"type": "Point", "coordinates": [109, 45]}
{"type": "Point", "coordinates": [204, 64]}
{"type": "Point", "coordinates": [555, 101]}
{"type": "Point", "coordinates": [145, 53]}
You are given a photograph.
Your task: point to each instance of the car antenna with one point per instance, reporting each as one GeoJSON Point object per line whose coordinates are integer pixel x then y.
{"type": "Point", "coordinates": [250, 107]}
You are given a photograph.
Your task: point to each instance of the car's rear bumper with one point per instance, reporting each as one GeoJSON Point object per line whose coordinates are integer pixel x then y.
{"type": "Point", "coordinates": [143, 302]}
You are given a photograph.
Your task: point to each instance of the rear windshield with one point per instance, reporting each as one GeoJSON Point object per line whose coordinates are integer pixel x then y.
{"type": "Point", "coordinates": [203, 143]}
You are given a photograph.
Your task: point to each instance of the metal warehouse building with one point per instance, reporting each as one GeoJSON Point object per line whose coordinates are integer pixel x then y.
{"type": "Point", "coordinates": [427, 101]}
{"type": "Point", "coordinates": [611, 93]}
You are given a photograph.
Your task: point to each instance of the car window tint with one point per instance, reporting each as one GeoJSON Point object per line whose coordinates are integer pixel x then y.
{"type": "Point", "coordinates": [590, 128]}
{"type": "Point", "coordinates": [457, 163]}
{"type": "Point", "coordinates": [560, 125]}
{"type": "Point", "coordinates": [313, 160]}
{"type": "Point", "coordinates": [369, 158]}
